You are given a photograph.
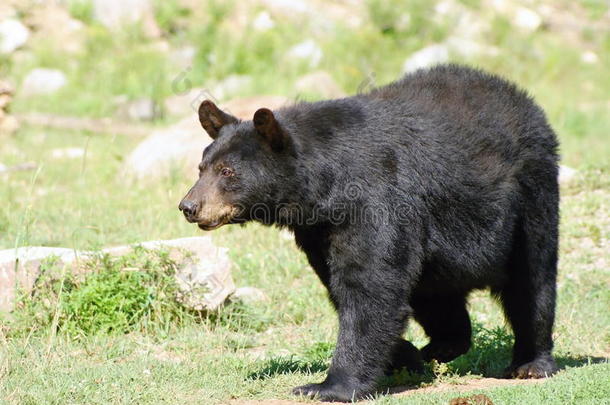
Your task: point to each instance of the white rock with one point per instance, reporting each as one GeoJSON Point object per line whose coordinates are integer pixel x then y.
{"type": "Point", "coordinates": [13, 35]}
{"type": "Point", "coordinates": [589, 57]}
{"type": "Point", "coordinates": [205, 280]}
{"type": "Point", "coordinates": [67, 153]}
{"type": "Point", "coordinates": [321, 83]}
{"type": "Point", "coordinates": [526, 19]}
{"type": "Point", "coordinates": [263, 21]}
{"type": "Point", "coordinates": [203, 276]}
{"type": "Point", "coordinates": [143, 109]}
{"type": "Point", "coordinates": [176, 147]}
{"type": "Point", "coordinates": [566, 174]}
{"type": "Point", "coordinates": [249, 295]}
{"type": "Point", "coordinates": [116, 13]}
{"type": "Point", "coordinates": [19, 269]}
{"type": "Point", "coordinates": [426, 57]}
{"type": "Point", "coordinates": [309, 50]}
{"type": "Point", "coordinates": [43, 81]}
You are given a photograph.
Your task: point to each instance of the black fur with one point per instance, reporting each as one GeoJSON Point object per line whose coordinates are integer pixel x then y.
{"type": "Point", "coordinates": [404, 200]}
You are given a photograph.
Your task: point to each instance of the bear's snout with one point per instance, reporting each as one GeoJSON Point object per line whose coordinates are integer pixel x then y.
{"type": "Point", "coordinates": [190, 209]}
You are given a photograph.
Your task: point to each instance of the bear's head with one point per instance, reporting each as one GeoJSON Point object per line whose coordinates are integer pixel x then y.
{"type": "Point", "coordinates": [243, 170]}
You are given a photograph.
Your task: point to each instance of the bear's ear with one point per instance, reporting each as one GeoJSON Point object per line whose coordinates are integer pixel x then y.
{"type": "Point", "coordinates": [267, 126]}
{"type": "Point", "coordinates": [213, 118]}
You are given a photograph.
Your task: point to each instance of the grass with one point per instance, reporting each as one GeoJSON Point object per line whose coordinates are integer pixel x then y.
{"type": "Point", "coordinates": [56, 354]}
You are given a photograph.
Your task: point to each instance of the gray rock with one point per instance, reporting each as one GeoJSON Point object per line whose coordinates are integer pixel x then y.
{"type": "Point", "coordinates": [43, 81]}
{"type": "Point", "coordinates": [522, 17]}
{"type": "Point", "coordinates": [205, 281]}
{"type": "Point", "coordinates": [13, 35]}
{"type": "Point", "coordinates": [307, 50]}
{"type": "Point", "coordinates": [19, 269]}
{"type": "Point", "coordinates": [176, 147]}
{"type": "Point", "coordinates": [67, 153]}
{"type": "Point", "coordinates": [426, 57]}
{"type": "Point", "coordinates": [143, 109]}
{"type": "Point", "coordinates": [203, 275]}
{"type": "Point", "coordinates": [115, 14]}
{"type": "Point", "coordinates": [249, 295]}
{"type": "Point", "coordinates": [321, 83]}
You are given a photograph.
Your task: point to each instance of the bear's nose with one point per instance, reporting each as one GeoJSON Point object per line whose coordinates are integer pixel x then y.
{"type": "Point", "coordinates": [189, 209]}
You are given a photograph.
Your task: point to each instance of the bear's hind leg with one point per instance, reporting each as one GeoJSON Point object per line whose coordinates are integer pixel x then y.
{"type": "Point", "coordinates": [529, 295]}
{"type": "Point", "coordinates": [529, 305]}
{"type": "Point", "coordinates": [446, 322]}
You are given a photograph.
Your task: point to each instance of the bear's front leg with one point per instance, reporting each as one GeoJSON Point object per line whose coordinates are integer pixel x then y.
{"type": "Point", "coordinates": [372, 303]}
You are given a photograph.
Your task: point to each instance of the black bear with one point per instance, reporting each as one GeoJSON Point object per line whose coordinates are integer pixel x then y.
{"type": "Point", "coordinates": [404, 200]}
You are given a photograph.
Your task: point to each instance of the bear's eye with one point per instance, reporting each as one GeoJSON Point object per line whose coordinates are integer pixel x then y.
{"type": "Point", "coordinates": [226, 172]}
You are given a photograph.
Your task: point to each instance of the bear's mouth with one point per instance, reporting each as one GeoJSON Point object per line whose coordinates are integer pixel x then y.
{"type": "Point", "coordinates": [217, 223]}
{"type": "Point", "coordinates": [209, 226]}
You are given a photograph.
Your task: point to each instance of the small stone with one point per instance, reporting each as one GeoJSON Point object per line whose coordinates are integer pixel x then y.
{"type": "Point", "coordinates": [143, 109]}
{"type": "Point", "coordinates": [13, 35]}
{"type": "Point", "coordinates": [527, 19]}
{"type": "Point", "coordinates": [115, 14]}
{"type": "Point", "coordinates": [308, 50]}
{"type": "Point", "coordinates": [566, 174]}
{"type": "Point", "coordinates": [426, 57]}
{"type": "Point", "coordinates": [589, 57]}
{"type": "Point", "coordinates": [43, 81]}
{"type": "Point", "coordinates": [67, 153]}
{"type": "Point", "coordinates": [249, 295]}
{"type": "Point", "coordinates": [263, 21]}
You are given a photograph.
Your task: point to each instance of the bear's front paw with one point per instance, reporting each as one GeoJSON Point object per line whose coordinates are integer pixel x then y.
{"type": "Point", "coordinates": [325, 392]}
{"type": "Point", "coordinates": [405, 356]}
{"type": "Point", "coordinates": [541, 367]}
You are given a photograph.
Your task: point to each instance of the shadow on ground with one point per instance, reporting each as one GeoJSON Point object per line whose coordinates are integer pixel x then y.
{"type": "Point", "coordinates": [286, 365]}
